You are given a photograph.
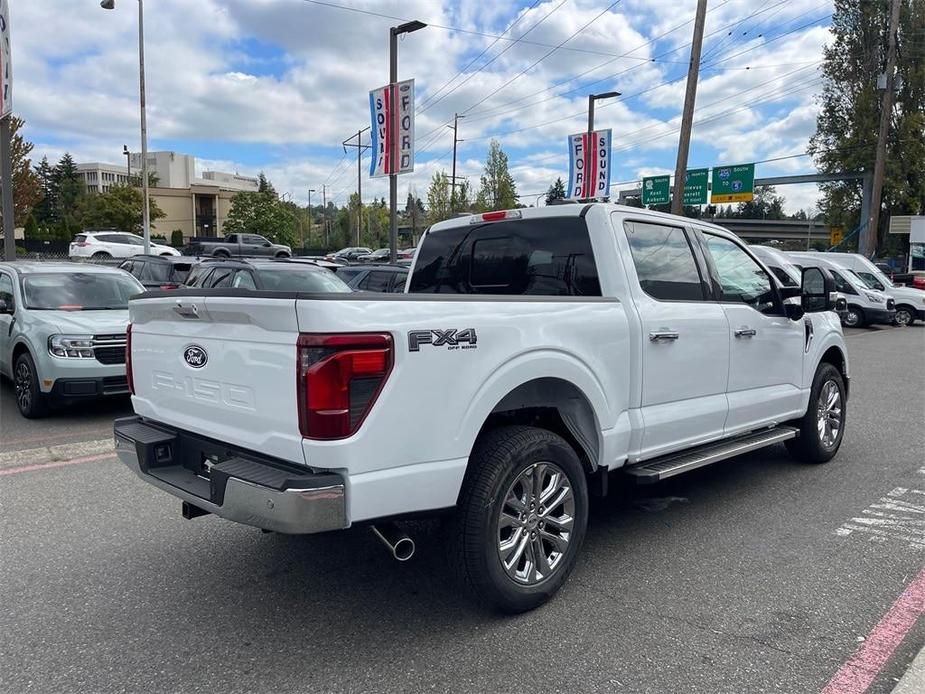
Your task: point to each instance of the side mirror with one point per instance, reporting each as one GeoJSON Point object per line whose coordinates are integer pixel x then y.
{"type": "Point", "coordinates": [879, 287]}
{"type": "Point", "coordinates": [5, 307]}
{"type": "Point", "coordinates": [794, 311]}
{"type": "Point", "coordinates": [818, 289]}
{"type": "Point", "coordinates": [841, 305]}
{"type": "Point", "coordinates": [267, 244]}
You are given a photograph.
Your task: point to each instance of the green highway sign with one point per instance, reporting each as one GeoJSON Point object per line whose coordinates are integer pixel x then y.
{"type": "Point", "coordinates": [733, 183]}
{"type": "Point", "coordinates": [695, 186]}
{"type": "Point", "coordinates": [655, 190]}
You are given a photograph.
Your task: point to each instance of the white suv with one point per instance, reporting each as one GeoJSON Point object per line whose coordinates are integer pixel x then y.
{"type": "Point", "coordinates": [102, 245]}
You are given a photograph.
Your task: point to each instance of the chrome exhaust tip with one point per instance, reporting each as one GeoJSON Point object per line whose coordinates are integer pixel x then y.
{"type": "Point", "coordinates": [400, 545]}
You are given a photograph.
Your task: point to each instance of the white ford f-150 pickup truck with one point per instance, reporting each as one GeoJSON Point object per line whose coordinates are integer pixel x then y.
{"type": "Point", "coordinates": [534, 352]}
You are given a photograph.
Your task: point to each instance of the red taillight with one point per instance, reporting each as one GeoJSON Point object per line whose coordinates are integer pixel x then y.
{"type": "Point", "coordinates": [128, 359]}
{"type": "Point", "coordinates": [170, 286]}
{"type": "Point", "coordinates": [339, 378]}
{"type": "Point", "coordinates": [81, 244]}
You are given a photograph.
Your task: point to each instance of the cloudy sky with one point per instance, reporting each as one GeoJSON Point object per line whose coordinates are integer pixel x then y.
{"type": "Point", "coordinates": [276, 85]}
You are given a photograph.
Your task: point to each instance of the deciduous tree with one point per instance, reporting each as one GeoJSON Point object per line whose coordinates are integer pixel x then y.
{"type": "Point", "coordinates": [849, 115]}
{"type": "Point", "coordinates": [498, 191]}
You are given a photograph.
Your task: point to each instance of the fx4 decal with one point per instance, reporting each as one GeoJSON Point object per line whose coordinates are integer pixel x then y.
{"type": "Point", "coordinates": [451, 339]}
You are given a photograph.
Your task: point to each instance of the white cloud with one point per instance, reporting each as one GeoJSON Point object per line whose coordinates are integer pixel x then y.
{"type": "Point", "coordinates": [291, 78]}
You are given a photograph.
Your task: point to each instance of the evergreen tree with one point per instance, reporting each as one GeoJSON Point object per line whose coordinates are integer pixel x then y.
{"type": "Point", "coordinates": [498, 191]}
{"type": "Point", "coordinates": [556, 191]}
{"type": "Point", "coordinates": [46, 209]}
{"type": "Point", "coordinates": [849, 116]}
{"type": "Point", "coordinates": [69, 190]}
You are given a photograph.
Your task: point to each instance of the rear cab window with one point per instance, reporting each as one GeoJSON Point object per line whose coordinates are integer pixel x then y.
{"type": "Point", "coordinates": [664, 261]}
{"type": "Point", "coordinates": [549, 256]}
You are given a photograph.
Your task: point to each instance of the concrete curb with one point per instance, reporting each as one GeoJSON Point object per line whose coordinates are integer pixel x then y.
{"type": "Point", "coordinates": [47, 454]}
{"type": "Point", "coordinates": [913, 682]}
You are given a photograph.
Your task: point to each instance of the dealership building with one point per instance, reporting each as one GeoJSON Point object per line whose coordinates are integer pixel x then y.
{"type": "Point", "coordinates": [197, 206]}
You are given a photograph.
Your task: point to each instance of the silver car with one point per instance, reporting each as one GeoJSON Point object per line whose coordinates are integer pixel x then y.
{"type": "Point", "coordinates": [63, 331]}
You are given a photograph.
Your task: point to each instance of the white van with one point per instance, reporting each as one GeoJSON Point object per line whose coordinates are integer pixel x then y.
{"type": "Point", "coordinates": [789, 275]}
{"type": "Point", "coordinates": [866, 306]}
{"type": "Point", "coordinates": [910, 301]}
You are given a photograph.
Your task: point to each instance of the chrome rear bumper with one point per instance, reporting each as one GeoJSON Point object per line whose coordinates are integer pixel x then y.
{"type": "Point", "coordinates": [237, 487]}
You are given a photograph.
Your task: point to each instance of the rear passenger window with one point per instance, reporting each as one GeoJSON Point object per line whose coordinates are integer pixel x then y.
{"type": "Point", "coordinates": [221, 278]}
{"type": "Point", "coordinates": [528, 257]}
{"type": "Point", "coordinates": [664, 262]}
{"type": "Point", "coordinates": [244, 280]}
{"type": "Point", "coordinates": [375, 282]}
{"type": "Point", "coordinates": [398, 282]}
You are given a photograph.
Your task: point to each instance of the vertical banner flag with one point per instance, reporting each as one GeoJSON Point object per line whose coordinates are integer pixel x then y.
{"type": "Point", "coordinates": [589, 165]}
{"type": "Point", "coordinates": [386, 103]}
{"type": "Point", "coordinates": [6, 67]}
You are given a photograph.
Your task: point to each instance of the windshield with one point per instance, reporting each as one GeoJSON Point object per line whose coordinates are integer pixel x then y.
{"type": "Point", "coordinates": [79, 291]}
{"type": "Point", "coordinates": [295, 279]}
{"type": "Point", "coordinates": [871, 274]}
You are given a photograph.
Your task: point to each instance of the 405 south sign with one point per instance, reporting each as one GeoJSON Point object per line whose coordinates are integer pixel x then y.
{"type": "Point", "coordinates": [589, 165]}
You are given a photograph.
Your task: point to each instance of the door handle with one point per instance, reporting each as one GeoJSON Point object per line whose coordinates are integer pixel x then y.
{"type": "Point", "coordinates": [663, 336]}
{"type": "Point", "coordinates": [746, 332]}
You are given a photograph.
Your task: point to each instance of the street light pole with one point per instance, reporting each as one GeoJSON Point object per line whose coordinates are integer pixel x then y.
{"type": "Point", "coordinates": [146, 219]}
{"type": "Point", "coordinates": [394, 33]}
{"type": "Point", "coordinates": [590, 153]}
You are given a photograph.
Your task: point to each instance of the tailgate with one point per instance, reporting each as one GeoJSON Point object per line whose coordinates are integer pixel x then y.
{"type": "Point", "coordinates": [222, 367]}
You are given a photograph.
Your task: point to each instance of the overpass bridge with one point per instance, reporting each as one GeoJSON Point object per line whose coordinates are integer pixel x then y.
{"type": "Point", "coordinates": [757, 230]}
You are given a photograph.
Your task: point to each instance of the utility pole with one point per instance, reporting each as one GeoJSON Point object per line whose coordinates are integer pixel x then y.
{"type": "Point", "coordinates": [128, 163]}
{"type": "Point", "coordinates": [324, 214]}
{"type": "Point", "coordinates": [359, 147]}
{"type": "Point", "coordinates": [310, 191]}
{"type": "Point", "coordinates": [456, 118]}
{"type": "Point", "coordinates": [886, 111]}
{"type": "Point", "coordinates": [687, 118]}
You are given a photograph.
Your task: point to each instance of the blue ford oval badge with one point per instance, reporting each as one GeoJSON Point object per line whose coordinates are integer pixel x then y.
{"type": "Point", "coordinates": [195, 356]}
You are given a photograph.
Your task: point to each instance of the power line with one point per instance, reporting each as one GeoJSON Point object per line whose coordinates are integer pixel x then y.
{"type": "Point", "coordinates": [459, 30]}
{"type": "Point", "coordinates": [544, 56]}
{"type": "Point", "coordinates": [494, 58]}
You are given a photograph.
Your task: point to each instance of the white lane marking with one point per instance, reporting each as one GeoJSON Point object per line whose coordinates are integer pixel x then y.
{"type": "Point", "coordinates": [900, 515]}
{"type": "Point", "coordinates": [47, 454]}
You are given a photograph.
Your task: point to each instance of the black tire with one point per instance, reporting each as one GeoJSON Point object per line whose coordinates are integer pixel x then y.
{"type": "Point", "coordinates": [30, 400]}
{"type": "Point", "coordinates": [854, 318]}
{"type": "Point", "coordinates": [221, 254]}
{"type": "Point", "coordinates": [498, 462]}
{"type": "Point", "coordinates": [905, 315]}
{"type": "Point", "coordinates": [101, 255]}
{"type": "Point", "coordinates": [809, 446]}
{"type": "Point", "coordinates": [283, 254]}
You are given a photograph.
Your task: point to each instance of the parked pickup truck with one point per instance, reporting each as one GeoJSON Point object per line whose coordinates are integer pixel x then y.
{"type": "Point", "coordinates": [237, 246]}
{"type": "Point", "coordinates": [535, 353]}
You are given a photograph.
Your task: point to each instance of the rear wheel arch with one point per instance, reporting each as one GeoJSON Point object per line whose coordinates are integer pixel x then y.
{"type": "Point", "coordinates": [555, 405]}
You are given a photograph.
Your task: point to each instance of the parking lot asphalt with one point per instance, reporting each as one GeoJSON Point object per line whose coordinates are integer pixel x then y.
{"type": "Point", "coordinates": [757, 574]}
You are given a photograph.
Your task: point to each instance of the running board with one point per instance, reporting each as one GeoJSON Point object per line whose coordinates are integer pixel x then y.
{"type": "Point", "coordinates": [677, 463]}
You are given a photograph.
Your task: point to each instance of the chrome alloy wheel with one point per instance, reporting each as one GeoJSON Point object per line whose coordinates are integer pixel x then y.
{"type": "Point", "coordinates": [829, 414]}
{"type": "Point", "coordinates": [23, 380]}
{"type": "Point", "coordinates": [535, 523]}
